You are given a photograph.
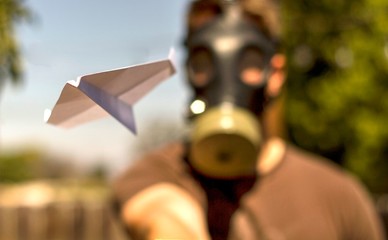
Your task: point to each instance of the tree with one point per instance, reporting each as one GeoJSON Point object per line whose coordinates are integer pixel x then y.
{"type": "Point", "coordinates": [11, 12]}
{"type": "Point", "coordinates": [20, 166]}
{"type": "Point", "coordinates": [336, 102]}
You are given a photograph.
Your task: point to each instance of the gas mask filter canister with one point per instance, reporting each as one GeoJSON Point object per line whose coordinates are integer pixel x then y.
{"type": "Point", "coordinates": [227, 66]}
{"type": "Point", "coordinates": [225, 142]}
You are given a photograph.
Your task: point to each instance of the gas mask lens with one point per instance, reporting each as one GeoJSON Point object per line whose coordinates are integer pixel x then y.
{"type": "Point", "coordinates": [251, 67]}
{"type": "Point", "coordinates": [200, 67]}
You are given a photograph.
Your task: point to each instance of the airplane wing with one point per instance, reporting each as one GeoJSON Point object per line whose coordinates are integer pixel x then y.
{"type": "Point", "coordinates": [112, 92]}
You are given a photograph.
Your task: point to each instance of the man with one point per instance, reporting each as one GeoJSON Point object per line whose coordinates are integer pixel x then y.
{"type": "Point", "coordinates": [232, 179]}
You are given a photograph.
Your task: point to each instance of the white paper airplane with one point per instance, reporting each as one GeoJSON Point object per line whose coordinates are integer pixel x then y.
{"type": "Point", "coordinates": [113, 92]}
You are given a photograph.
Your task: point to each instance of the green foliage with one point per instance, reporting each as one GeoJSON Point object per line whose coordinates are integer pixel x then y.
{"type": "Point", "coordinates": [33, 164]}
{"type": "Point", "coordinates": [11, 12]}
{"type": "Point", "coordinates": [19, 167]}
{"type": "Point", "coordinates": [337, 86]}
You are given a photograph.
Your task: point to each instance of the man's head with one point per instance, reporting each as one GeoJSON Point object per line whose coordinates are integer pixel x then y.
{"type": "Point", "coordinates": [263, 13]}
{"type": "Point", "coordinates": [234, 69]}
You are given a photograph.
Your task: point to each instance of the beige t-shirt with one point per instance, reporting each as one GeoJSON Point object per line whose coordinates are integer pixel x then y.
{"type": "Point", "coordinates": [303, 197]}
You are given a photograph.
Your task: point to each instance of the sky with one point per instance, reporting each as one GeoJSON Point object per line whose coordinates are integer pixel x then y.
{"type": "Point", "coordinates": [70, 38]}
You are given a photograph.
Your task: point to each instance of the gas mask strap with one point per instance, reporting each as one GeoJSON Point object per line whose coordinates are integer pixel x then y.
{"type": "Point", "coordinates": [227, 4]}
{"type": "Point", "coordinates": [229, 1]}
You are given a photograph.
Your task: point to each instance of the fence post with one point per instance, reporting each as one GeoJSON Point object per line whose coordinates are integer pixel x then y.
{"type": "Point", "coordinates": [36, 223]}
{"type": "Point", "coordinates": [93, 220]}
{"type": "Point", "coordinates": [8, 223]}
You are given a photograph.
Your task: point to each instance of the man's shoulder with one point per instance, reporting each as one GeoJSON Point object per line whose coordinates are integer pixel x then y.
{"type": "Point", "coordinates": [172, 152]}
{"type": "Point", "coordinates": [318, 169]}
{"type": "Point", "coordinates": [310, 161]}
{"type": "Point", "coordinates": [171, 149]}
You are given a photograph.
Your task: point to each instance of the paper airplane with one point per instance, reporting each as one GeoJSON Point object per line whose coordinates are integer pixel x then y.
{"type": "Point", "coordinates": [113, 92]}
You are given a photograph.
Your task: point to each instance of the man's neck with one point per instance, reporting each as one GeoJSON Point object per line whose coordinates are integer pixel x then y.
{"type": "Point", "coordinates": [271, 155]}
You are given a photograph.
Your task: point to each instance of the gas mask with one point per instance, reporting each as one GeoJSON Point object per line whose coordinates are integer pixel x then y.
{"type": "Point", "coordinates": [228, 66]}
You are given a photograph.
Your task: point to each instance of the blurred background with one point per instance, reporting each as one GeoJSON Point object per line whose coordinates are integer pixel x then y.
{"type": "Point", "coordinates": [335, 101]}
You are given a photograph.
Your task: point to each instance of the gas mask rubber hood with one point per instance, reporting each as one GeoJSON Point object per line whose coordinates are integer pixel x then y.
{"type": "Point", "coordinates": [228, 66]}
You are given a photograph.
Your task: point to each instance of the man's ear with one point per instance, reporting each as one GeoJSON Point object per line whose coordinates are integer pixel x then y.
{"type": "Point", "coordinates": [277, 75]}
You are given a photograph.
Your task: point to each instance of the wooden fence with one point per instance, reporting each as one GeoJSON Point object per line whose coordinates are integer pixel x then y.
{"type": "Point", "coordinates": [60, 221]}
{"type": "Point", "coordinates": [45, 216]}
{"type": "Point", "coordinates": [80, 218]}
